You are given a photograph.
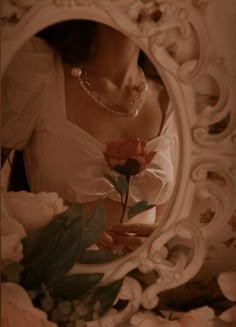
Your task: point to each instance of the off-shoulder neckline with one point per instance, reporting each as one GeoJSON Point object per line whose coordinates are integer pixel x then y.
{"type": "Point", "coordinates": [79, 129]}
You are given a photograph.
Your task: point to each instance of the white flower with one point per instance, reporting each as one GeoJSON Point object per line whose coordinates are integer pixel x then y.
{"type": "Point", "coordinates": [12, 233]}
{"type": "Point", "coordinates": [34, 211]}
{"type": "Point", "coordinates": [11, 247]}
{"type": "Point", "coordinates": [17, 309]}
{"type": "Point", "coordinates": [227, 283]}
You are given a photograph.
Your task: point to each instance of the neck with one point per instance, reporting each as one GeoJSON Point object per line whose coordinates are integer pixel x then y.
{"type": "Point", "coordinates": [114, 57]}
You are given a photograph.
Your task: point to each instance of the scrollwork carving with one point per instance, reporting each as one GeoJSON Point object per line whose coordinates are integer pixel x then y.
{"type": "Point", "coordinates": [201, 5]}
{"type": "Point", "coordinates": [218, 112]}
{"type": "Point", "coordinates": [173, 269]}
{"type": "Point", "coordinates": [179, 267]}
{"type": "Point", "coordinates": [73, 3]}
{"type": "Point", "coordinates": [151, 25]}
{"type": "Point", "coordinates": [13, 11]}
{"type": "Point", "coordinates": [215, 180]}
{"type": "Point", "coordinates": [131, 291]}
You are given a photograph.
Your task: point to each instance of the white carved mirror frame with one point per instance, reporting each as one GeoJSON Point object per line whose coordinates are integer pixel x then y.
{"type": "Point", "coordinates": [201, 152]}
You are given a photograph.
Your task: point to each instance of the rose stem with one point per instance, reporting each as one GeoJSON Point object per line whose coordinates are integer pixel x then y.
{"type": "Point", "coordinates": [126, 199]}
{"type": "Point", "coordinates": [121, 199]}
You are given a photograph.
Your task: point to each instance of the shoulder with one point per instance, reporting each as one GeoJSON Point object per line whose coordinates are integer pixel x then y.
{"type": "Point", "coordinates": [27, 75]}
{"type": "Point", "coordinates": [155, 85]}
{"type": "Point", "coordinates": [34, 59]}
{"type": "Point", "coordinates": [22, 91]}
{"type": "Point", "coordinates": [36, 44]}
{"type": "Point", "coordinates": [159, 95]}
{"type": "Point", "coordinates": [159, 91]}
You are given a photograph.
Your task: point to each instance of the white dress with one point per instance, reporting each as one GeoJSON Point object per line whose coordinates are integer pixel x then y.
{"type": "Point", "coordinates": [59, 155]}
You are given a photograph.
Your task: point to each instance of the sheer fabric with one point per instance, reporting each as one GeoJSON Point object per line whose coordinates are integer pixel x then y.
{"type": "Point", "coordinates": [59, 155]}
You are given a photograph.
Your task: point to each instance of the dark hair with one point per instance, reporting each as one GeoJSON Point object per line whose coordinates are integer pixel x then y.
{"type": "Point", "coordinates": [72, 39]}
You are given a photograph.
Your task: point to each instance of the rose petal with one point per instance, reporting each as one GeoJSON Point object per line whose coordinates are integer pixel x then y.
{"type": "Point", "coordinates": [227, 283]}
{"type": "Point", "coordinates": [123, 149]}
{"type": "Point", "coordinates": [141, 160]}
{"type": "Point", "coordinates": [143, 146]}
{"type": "Point", "coordinates": [113, 148]}
{"type": "Point", "coordinates": [130, 149]}
{"type": "Point", "coordinates": [120, 151]}
{"type": "Point", "coordinates": [112, 151]}
{"type": "Point", "coordinates": [116, 162]}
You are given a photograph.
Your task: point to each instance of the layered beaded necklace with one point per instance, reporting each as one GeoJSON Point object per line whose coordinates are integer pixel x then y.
{"type": "Point", "coordinates": [131, 109]}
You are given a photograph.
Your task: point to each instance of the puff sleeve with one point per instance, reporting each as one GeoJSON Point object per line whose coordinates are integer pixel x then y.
{"type": "Point", "coordinates": [157, 182]}
{"type": "Point", "coordinates": [22, 93]}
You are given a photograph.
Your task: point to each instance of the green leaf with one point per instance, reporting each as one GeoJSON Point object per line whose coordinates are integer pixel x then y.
{"type": "Point", "coordinates": [74, 211]}
{"type": "Point", "coordinates": [120, 183]}
{"type": "Point", "coordinates": [57, 257]}
{"type": "Point", "coordinates": [93, 226]}
{"type": "Point", "coordinates": [139, 207]}
{"type": "Point", "coordinates": [53, 250]}
{"type": "Point", "coordinates": [71, 287]}
{"type": "Point", "coordinates": [97, 256]}
{"type": "Point", "coordinates": [105, 297]}
{"type": "Point", "coordinates": [36, 242]}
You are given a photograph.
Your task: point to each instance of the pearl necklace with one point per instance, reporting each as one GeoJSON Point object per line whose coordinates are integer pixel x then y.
{"type": "Point", "coordinates": [133, 111]}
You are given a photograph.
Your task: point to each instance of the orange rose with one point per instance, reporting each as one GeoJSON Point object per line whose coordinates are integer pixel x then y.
{"type": "Point", "coordinates": [128, 157]}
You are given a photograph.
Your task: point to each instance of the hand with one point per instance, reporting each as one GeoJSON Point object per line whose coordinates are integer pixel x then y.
{"type": "Point", "coordinates": [126, 237]}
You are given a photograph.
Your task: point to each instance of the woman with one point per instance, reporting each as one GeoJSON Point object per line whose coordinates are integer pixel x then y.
{"type": "Point", "coordinates": [64, 99]}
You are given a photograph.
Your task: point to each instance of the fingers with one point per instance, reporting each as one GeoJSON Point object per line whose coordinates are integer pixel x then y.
{"type": "Point", "coordinates": [125, 237]}
{"type": "Point", "coordinates": [119, 243]}
{"type": "Point", "coordinates": [142, 230]}
{"type": "Point", "coordinates": [105, 241]}
{"type": "Point", "coordinates": [128, 242]}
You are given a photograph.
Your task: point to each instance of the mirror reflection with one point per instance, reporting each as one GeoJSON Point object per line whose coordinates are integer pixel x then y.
{"type": "Point", "coordinates": [89, 118]}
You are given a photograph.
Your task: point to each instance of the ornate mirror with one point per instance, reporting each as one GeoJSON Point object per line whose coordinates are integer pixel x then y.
{"type": "Point", "coordinates": [171, 43]}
